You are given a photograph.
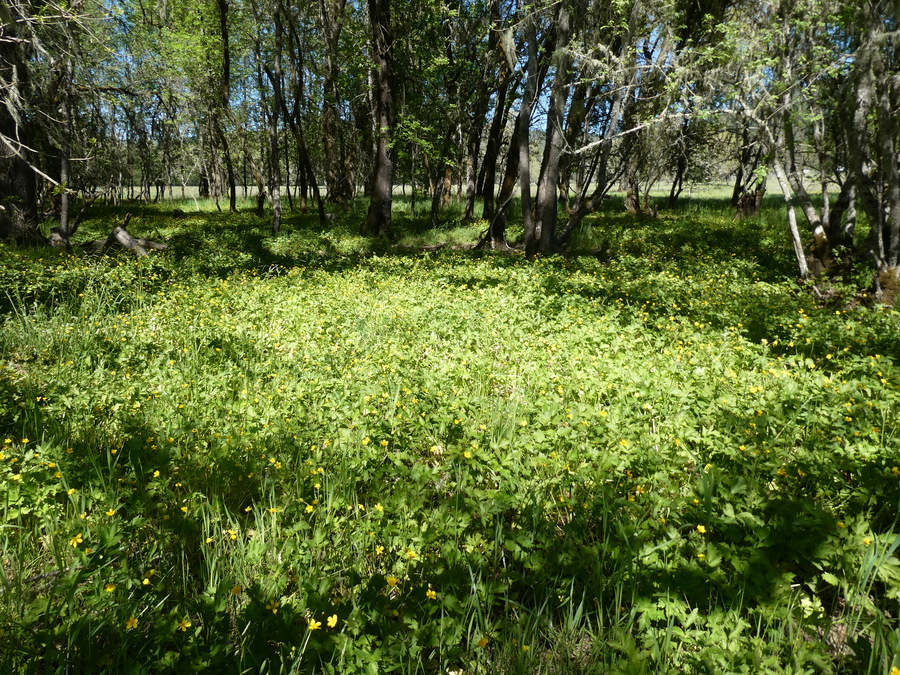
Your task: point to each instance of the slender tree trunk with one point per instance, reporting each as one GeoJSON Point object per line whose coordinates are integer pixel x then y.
{"type": "Point", "coordinates": [492, 150]}
{"type": "Point", "coordinates": [546, 204]}
{"type": "Point", "coordinates": [18, 184]}
{"type": "Point", "coordinates": [496, 235]}
{"type": "Point", "coordinates": [336, 171]}
{"type": "Point", "coordinates": [476, 131]}
{"type": "Point", "coordinates": [224, 102]}
{"type": "Point", "coordinates": [273, 124]}
{"type": "Point", "coordinates": [792, 219]}
{"type": "Point", "coordinates": [531, 85]}
{"type": "Point", "coordinates": [378, 219]}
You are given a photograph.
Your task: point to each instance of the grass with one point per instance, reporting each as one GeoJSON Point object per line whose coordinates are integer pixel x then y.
{"type": "Point", "coordinates": [320, 453]}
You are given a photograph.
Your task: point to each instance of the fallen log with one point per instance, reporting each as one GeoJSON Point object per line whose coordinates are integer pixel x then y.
{"type": "Point", "coordinates": [119, 237]}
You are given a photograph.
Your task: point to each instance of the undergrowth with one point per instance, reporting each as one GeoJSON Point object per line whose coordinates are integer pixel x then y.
{"type": "Point", "coordinates": [319, 453]}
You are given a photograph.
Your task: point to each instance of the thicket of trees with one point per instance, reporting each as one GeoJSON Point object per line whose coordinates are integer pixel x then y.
{"type": "Point", "coordinates": [125, 99]}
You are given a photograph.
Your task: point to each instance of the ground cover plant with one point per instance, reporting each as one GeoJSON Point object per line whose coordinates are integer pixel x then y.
{"type": "Point", "coordinates": [321, 453]}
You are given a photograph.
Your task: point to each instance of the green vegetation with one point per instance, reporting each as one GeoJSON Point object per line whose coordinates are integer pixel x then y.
{"type": "Point", "coordinates": [319, 453]}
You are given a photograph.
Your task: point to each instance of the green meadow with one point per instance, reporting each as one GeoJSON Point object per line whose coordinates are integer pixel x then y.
{"type": "Point", "coordinates": [316, 452]}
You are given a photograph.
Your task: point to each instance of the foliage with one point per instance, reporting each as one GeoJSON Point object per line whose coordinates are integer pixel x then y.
{"type": "Point", "coordinates": [317, 453]}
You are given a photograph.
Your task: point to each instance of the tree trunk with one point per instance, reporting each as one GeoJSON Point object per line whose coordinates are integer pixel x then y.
{"type": "Point", "coordinates": [336, 172]}
{"type": "Point", "coordinates": [531, 87]}
{"type": "Point", "coordinates": [792, 219]}
{"type": "Point", "coordinates": [225, 96]}
{"type": "Point", "coordinates": [378, 219]}
{"type": "Point", "coordinates": [273, 124]}
{"type": "Point", "coordinates": [492, 150]}
{"type": "Point", "coordinates": [546, 204]}
{"type": "Point", "coordinates": [496, 234]}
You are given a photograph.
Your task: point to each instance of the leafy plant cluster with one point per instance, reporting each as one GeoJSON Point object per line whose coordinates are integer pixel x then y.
{"type": "Point", "coordinates": [309, 455]}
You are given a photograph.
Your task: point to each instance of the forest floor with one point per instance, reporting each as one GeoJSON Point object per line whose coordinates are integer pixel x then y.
{"type": "Point", "coordinates": [315, 452]}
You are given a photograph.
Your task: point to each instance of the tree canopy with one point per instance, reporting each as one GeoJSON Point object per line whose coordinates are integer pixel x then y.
{"type": "Point", "coordinates": [119, 99]}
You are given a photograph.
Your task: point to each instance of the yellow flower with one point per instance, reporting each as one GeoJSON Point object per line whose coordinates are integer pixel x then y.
{"type": "Point", "coordinates": [273, 606]}
{"type": "Point", "coordinates": [314, 625]}
{"type": "Point", "coordinates": [392, 581]}
{"type": "Point", "coordinates": [237, 590]}
{"type": "Point", "coordinates": [131, 624]}
{"type": "Point", "coordinates": [332, 621]}
{"type": "Point", "coordinates": [16, 477]}
{"type": "Point", "coordinates": [309, 508]}
{"type": "Point", "coordinates": [379, 550]}
{"type": "Point", "coordinates": [483, 642]}
{"type": "Point", "coordinates": [896, 472]}
{"type": "Point", "coordinates": [110, 512]}
{"type": "Point", "coordinates": [156, 474]}
{"type": "Point", "coordinates": [623, 443]}
{"type": "Point", "coordinates": [895, 671]}
{"type": "Point", "coordinates": [467, 454]}
{"type": "Point", "coordinates": [74, 541]}
{"type": "Point", "coordinates": [71, 491]}
{"type": "Point", "coordinates": [430, 594]}
{"type": "Point", "coordinates": [701, 529]}
{"type": "Point", "coordinates": [379, 508]}
{"type": "Point", "coordinates": [384, 444]}
{"type": "Point", "coordinates": [867, 541]}
{"type": "Point", "coordinates": [184, 625]}
{"type": "Point", "coordinates": [525, 648]}
{"type": "Point", "coordinates": [109, 588]}
{"type": "Point", "coordinates": [411, 554]}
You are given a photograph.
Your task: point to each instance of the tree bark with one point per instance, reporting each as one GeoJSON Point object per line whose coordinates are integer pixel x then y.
{"type": "Point", "coordinates": [337, 176]}
{"type": "Point", "coordinates": [792, 219]}
{"type": "Point", "coordinates": [531, 87]}
{"type": "Point", "coordinates": [546, 204]}
{"type": "Point", "coordinates": [273, 124]}
{"type": "Point", "coordinates": [492, 150]}
{"type": "Point", "coordinates": [378, 219]}
{"type": "Point", "coordinates": [18, 182]}
{"type": "Point", "coordinates": [224, 102]}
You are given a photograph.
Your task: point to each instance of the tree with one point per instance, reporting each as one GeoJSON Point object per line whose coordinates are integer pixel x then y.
{"type": "Point", "coordinates": [378, 219]}
{"type": "Point", "coordinates": [18, 185]}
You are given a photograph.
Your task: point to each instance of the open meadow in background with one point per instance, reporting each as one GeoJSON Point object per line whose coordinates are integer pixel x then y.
{"type": "Point", "coordinates": [318, 452]}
